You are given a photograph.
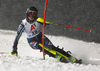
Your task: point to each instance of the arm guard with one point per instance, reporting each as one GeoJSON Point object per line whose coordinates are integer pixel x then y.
{"type": "Point", "coordinates": [40, 20]}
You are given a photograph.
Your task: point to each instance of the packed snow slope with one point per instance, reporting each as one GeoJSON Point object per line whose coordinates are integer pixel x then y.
{"type": "Point", "coordinates": [31, 60]}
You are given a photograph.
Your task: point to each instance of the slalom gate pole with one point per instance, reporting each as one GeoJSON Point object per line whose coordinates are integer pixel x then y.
{"type": "Point", "coordinates": [70, 26]}
{"type": "Point", "coordinates": [44, 28]}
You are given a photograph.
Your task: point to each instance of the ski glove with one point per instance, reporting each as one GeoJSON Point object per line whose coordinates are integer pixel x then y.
{"type": "Point", "coordinates": [47, 25]}
{"type": "Point", "coordinates": [14, 52]}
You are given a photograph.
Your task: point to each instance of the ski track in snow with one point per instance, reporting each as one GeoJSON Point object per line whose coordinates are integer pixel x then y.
{"type": "Point", "coordinates": [31, 60]}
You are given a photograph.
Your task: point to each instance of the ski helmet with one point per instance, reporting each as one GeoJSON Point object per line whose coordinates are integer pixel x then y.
{"type": "Point", "coordinates": [31, 10]}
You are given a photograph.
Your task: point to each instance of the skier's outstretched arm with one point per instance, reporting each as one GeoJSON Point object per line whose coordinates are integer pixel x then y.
{"type": "Point", "coordinates": [21, 28]}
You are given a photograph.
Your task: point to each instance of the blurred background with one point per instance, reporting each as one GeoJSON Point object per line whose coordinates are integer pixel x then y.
{"type": "Point", "coordinates": [78, 13]}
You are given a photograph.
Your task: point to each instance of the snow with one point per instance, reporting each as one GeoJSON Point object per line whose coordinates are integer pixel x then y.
{"type": "Point", "coordinates": [32, 60]}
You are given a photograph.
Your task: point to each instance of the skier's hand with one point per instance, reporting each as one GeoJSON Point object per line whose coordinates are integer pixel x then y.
{"type": "Point", "coordinates": [47, 26]}
{"type": "Point", "coordinates": [14, 52]}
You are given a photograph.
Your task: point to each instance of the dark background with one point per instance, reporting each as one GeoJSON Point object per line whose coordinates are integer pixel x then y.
{"type": "Point", "coordinates": [78, 13]}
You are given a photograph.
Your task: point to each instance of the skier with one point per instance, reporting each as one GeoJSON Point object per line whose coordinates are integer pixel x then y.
{"type": "Point", "coordinates": [31, 26]}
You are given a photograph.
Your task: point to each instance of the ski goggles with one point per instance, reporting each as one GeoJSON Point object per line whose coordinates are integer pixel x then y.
{"type": "Point", "coordinates": [31, 15]}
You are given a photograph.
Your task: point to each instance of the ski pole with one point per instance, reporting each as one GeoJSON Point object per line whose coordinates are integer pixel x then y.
{"type": "Point", "coordinates": [41, 20]}
{"type": "Point", "coordinates": [44, 28]}
{"type": "Point", "coordinates": [70, 26]}
{"type": "Point", "coordinates": [4, 52]}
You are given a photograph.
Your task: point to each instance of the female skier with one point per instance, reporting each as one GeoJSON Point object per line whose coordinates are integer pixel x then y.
{"type": "Point", "coordinates": [31, 26]}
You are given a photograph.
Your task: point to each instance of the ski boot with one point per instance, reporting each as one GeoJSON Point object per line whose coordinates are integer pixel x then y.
{"type": "Point", "coordinates": [61, 58]}
{"type": "Point", "coordinates": [75, 60]}
{"type": "Point", "coordinates": [68, 59]}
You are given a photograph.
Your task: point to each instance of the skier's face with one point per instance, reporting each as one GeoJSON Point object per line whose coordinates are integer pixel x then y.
{"type": "Point", "coordinates": [31, 17]}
